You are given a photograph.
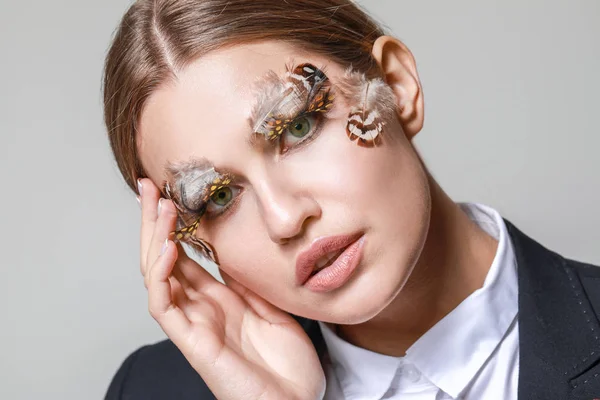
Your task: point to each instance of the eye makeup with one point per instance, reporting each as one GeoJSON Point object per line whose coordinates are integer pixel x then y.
{"type": "Point", "coordinates": [304, 91]}
{"type": "Point", "coordinates": [192, 186]}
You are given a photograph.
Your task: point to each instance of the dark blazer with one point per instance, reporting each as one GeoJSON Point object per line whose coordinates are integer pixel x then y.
{"type": "Point", "coordinates": [559, 330]}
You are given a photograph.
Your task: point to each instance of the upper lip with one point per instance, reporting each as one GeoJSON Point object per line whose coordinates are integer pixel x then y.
{"type": "Point", "coordinates": [306, 260]}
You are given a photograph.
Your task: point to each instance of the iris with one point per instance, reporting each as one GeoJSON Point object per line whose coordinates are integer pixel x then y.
{"type": "Point", "coordinates": [300, 127]}
{"type": "Point", "coordinates": [222, 196]}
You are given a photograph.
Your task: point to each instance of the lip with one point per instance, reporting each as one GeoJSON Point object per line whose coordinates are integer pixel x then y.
{"type": "Point", "coordinates": [338, 272]}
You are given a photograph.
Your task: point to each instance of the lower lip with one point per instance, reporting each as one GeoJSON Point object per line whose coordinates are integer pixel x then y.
{"type": "Point", "coordinates": [339, 272]}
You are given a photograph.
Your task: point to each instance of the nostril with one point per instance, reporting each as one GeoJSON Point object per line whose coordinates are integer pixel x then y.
{"type": "Point", "coordinates": [284, 241]}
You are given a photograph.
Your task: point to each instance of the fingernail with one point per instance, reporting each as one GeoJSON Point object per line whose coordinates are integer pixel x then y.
{"type": "Point", "coordinates": [159, 206]}
{"type": "Point", "coordinates": [139, 187]}
{"type": "Point", "coordinates": [164, 247]}
{"type": "Point", "coordinates": [138, 200]}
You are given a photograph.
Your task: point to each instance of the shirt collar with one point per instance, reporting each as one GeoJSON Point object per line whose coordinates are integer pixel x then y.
{"type": "Point", "coordinates": [444, 354]}
{"type": "Point", "coordinates": [452, 352]}
{"type": "Point", "coordinates": [362, 373]}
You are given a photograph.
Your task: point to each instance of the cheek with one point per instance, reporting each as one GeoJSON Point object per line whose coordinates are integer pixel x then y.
{"type": "Point", "coordinates": [244, 248]}
{"type": "Point", "coordinates": [363, 178]}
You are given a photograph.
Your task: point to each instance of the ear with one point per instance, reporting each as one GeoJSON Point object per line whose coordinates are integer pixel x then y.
{"type": "Point", "coordinates": [400, 72]}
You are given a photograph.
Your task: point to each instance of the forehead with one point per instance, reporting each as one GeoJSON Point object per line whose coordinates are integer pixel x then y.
{"type": "Point", "coordinates": [204, 112]}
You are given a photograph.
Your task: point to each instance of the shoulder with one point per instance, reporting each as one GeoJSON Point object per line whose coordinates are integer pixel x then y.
{"type": "Point", "coordinates": [584, 270]}
{"type": "Point", "coordinates": [157, 371]}
{"type": "Point", "coordinates": [589, 276]}
{"type": "Point", "coordinates": [543, 271]}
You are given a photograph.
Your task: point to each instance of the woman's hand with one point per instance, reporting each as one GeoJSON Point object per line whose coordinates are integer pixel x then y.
{"type": "Point", "coordinates": [242, 346]}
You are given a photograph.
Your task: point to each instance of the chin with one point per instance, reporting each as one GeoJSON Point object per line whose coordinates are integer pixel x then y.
{"type": "Point", "coordinates": [372, 300]}
{"type": "Point", "coordinates": [380, 282]}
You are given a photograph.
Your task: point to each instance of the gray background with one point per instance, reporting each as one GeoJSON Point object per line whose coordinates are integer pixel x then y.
{"type": "Point", "coordinates": [512, 99]}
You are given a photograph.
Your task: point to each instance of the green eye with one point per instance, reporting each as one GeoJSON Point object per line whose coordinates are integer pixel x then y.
{"type": "Point", "coordinates": [222, 196]}
{"type": "Point", "coordinates": [300, 127]}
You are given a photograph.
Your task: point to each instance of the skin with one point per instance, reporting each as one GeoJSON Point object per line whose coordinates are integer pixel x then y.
{"type": "Point", "coordinates": [422, 255]}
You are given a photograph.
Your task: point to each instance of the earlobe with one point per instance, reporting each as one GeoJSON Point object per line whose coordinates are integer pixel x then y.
{"type": "Point", "coordinates": [400, 73]}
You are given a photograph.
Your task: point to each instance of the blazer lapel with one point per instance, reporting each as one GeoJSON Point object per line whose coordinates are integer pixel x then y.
{"type": "Point", "coordinates": [558, 329]}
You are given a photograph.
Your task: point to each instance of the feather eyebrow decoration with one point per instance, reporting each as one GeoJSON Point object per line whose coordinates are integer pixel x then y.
{"type": "Point", "coordinates": [373, 103]}
{"type": "Point", "coordinates": [192, 185]}
{"type": "Point", "coordinates": [305, 89]}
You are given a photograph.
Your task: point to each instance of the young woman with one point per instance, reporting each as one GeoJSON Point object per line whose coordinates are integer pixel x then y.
{"type": "Point", "coordinates": [275, 138]}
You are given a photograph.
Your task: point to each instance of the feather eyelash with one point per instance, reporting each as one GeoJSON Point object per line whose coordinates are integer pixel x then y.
{"type": "Point", "coordinates": [187, 177]}
{"type": "Point", "coordinates": [304, 89]}
{"type": "Point", "coordinates": [192, 206]}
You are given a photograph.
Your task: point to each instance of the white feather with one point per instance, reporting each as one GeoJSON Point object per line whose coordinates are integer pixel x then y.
{"type": "Point", "coordinates": [364, 95]}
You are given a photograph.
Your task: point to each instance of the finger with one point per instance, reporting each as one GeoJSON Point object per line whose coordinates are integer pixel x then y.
{"type": "Point", "coordinates": [179, 296]}
{"type": "Point", "coordinates": [161, 303]}
{"type": "Point", "coordinates": [194, 274]}
{"type": "Point", "coordinates": [149, 200]}
{"type": "Point", "coordinates": [262, 307]}
{"type": "Point", "coordinates": [165, 223]}
{"type": "Point", "coordinates": [186, 285]}
{"type": "Point", "coordinates": [206, 287]}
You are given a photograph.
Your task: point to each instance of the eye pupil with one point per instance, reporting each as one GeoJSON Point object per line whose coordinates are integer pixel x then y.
{"type": "Point", "coordinates": [300, 127]}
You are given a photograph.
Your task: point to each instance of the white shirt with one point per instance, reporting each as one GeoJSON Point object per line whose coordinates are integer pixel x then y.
{"type": "Point", "coordinates": [472, 353]}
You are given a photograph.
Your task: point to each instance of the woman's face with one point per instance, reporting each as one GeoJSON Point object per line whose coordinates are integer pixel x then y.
{"type": "Point", "coordinates": [281, 203]}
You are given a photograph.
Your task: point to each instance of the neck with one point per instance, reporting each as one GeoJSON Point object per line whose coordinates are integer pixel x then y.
{"type": "Point", "coordinates": [453, 264]}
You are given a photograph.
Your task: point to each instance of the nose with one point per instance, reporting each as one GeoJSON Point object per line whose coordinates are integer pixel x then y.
{"type": "Point", "coordinates": [286, 207]}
